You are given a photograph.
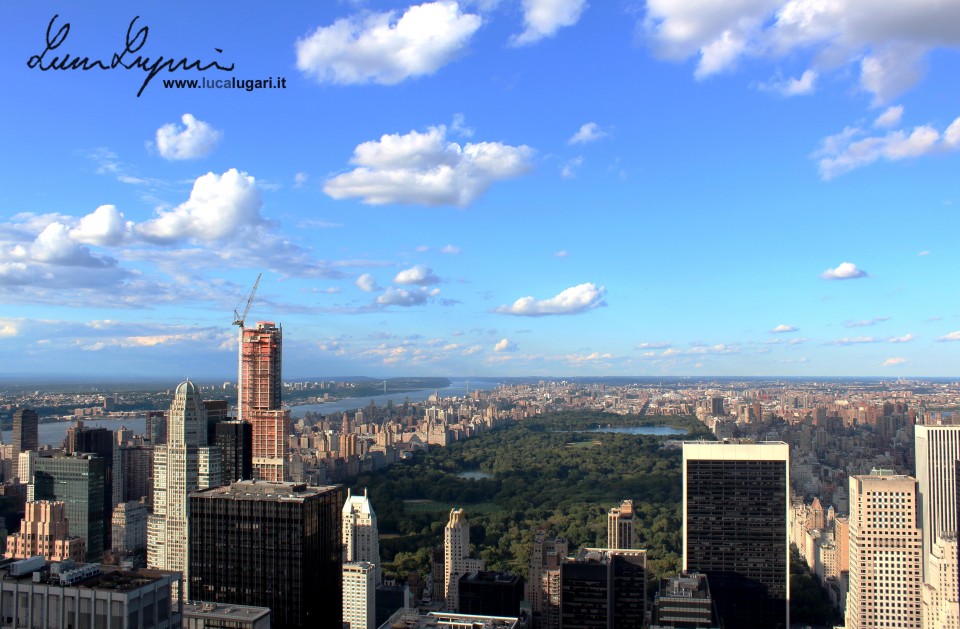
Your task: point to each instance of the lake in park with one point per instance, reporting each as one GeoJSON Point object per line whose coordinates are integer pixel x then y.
{"type": "Point", "coordinates": [662, 431]}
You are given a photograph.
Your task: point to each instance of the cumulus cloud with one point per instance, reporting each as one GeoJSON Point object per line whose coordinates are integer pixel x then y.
{"type": "Point", "coordinates": [844, 271]}
{"type": "Point", "coordinates": [8, 328]}
{"type": "Point", "coordinates": [853, 148]}
{"type": "Point", "coordinates": [782, 328]}
{"type": "Point", "coordinates": [219, 207]}
{"type": "Point", "coordinates": [952, 336]}
{"type": "Point", "coordinates": [417, 274]}
{"type": "Point", "coordinates": [889, 118]}
{"type": "Point", "coordinates": [906, 338]}
{"type": "Point", "coordinates": [894, 361]}
{"type": "Point", "coordinates": [426, 169]}
{"type": "Point", "coordinates": [588, 132]}
{"type": "Point", "coordinates": [855, 340]}
{"type": "Point", "coordinates": [569, 168]}
{"type": "Point", "coordinates": [543, 18]}
{"type": "Point", "coordinates": [105, 226]}
{"type": "Point", "coordinates": [659, 345]}
{"type": "Point", "coordinates": [574, 300]}
{"type": "Point", "coordinates": [367, 283]}
{"type": "Point", "coordinates": [887, 42]}
{"type": "Point", "coordinates": [504, 345]}
{"type": "Point", "coordinates": [384, 48]}
{"type": "Point", "coordinates": [193, 140]}
{"type": "Point", "coordinates": [793, 86]}
{"type": "Point", "coordinates": [473, 349]}
{"type": "Point", "coordinates": [404, 297]}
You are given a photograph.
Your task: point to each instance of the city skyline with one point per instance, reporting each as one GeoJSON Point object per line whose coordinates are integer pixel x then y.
{"type": "Point", "coordinates": [485, 188]}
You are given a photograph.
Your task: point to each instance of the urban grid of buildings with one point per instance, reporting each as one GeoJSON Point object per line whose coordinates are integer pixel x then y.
{"type": "Point", "coordinates": [213, 518]}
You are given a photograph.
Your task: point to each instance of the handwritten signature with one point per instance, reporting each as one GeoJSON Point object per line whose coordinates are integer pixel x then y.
{"type": "Point", "coordinates": [134, 42]}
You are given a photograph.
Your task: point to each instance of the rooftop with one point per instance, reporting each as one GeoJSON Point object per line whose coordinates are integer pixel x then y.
{"type": "Point", "coordinates": [265, 490]}
{"type": "Point", "coordinates": [223, 611]}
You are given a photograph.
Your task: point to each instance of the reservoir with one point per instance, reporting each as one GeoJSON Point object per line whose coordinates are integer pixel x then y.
{"type": "Point", "coordinates": [662, 431]}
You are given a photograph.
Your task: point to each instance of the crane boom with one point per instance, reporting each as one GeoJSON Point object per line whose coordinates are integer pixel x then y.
{"type": "Point", "coordinates": [238, 318]}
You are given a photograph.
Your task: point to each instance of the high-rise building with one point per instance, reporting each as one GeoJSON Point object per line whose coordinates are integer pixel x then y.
{"type": "Point", "coordinates": [273, 545]}
{"type": "Point", "coordinates": [937, 450]}
{"type": "Point", "coordinates": [25, 421]}
{"type": "Point", "coordinates": [620, 526]}
{"type": "Point", "coordinates": [603, 588]}
{"type": "Point", "coordinates": [235, 440]}
{"type": "Point", "coordinates": [885, 552]}
{"type": "Point", "coordinates": [185, 463]}
{"type": "Point", "coordinates": [77, 481]}
{"type": "Point", "coordinates": [491, 593]}
{"type": "Point", "coordinates": [543, 578]}
{"type": "Point", "coordinates": [101, 442]}
{"type": "Point", "coordinates": [45, 531]}
{"type": "Point", "coordinates": [136, 476]}
{"type": "Point", "coordinates": [456, 559]}
{"type": "Point", "coordinates": [359, 595]}
{"type": "Point", "coordinates": [940, 607]}
{"type": "Point", "coordinates": [261, 387]}
{"type": "Point", "coordinates": [735, 507]}
{"type": "Point", "coordinates": [129, 523]}
{"type": "Point", "coordinates": [684, 602]}
{"type": "Point", "coordinates": [361, 540]}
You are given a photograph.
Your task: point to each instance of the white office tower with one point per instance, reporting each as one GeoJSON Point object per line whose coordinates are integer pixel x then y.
{"type": "Point", "coordinates": [456, 562]}
{"type": "Point", "coordinates": [359, 589]}
{"type": "Point", "coordinates": [937, 450]}
{"type": "Point", "coordinates": [361, 541]}
{"type": "Point", "coordinates": [177, 472]}
{"type": "Point", "coordinates": [885, 552]}
{"type": "Point", "coordinates": [941, 607]}
{"type": "Point", "coordinates": [620, 533]}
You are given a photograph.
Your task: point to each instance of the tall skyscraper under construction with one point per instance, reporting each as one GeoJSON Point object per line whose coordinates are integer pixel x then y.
{"type": "Point", "coordinates": [260, 388]}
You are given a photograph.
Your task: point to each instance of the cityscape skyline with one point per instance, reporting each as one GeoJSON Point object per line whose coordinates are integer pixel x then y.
{"type": "Point", "coordinates": [485, 188]}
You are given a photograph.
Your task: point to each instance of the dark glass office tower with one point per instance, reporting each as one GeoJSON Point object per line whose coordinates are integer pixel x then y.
{"type": "Point", "coordinates": [99, 441]}
{"type": "Point", "coordinates": [235, 439]}
{"type": "Point", "coordinates": [25, 438]}
{"type": "Point", "coordinates": [735, 505]}
{"type": "Point", "coordinates": [603, 589]}
{"type": "Point", "coordinates": [273, 545]}
{"type": "Point", "coordinates": [76, 480]}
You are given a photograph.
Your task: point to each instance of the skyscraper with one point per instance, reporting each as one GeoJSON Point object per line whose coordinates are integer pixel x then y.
{"type": "Point", "coordinates": [735, 506]}
{"type": "Point", "coordinates": [273, 545]}
{"type": "Point", "coordinates": [456, 560]}
{"type": "Point", "coordinates": [885, 552]}
{"type": "Point", "coordinates": [940, 608]}
{"type": "Point", "coordinates": [603, 588]}
{"type": "Point", "coordinates": [45, 531]}
{"type": "Point", "coordinates": [182, 465]}
{"type": "Point", "coordinates": [361, 540]}
{"type": "Point", "coordinates": [620, 526]}
{"type": "Point", "coordinates": [235, 440]}
{"type": "Point", "coordinates": [25, 438]}
{"type": "Point", "coordinates": [543, 579]}
{"type": "Point", "coordinates": [77, 481]}
{"type": "Point", "coordinates": [359, 595]}
{"type": "Point", "coordinates": [101, 442]}
{"type": "Point", "coordinates": [937, 450]}
{"type": "Point", "coordinates": [260, 363]}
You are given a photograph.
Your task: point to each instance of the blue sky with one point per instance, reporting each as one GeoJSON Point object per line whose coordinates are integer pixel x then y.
{"type": "Point", "coordinates": [512, 187]}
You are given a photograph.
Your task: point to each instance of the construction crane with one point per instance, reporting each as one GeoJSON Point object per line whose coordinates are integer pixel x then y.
{"type": "Point", "coordinates": [238, 320]}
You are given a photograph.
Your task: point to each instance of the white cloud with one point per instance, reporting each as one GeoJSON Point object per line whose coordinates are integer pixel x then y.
{"type": "Point", "coordinates": [952, 336]}
{"type": "Point", "coordinates": [386, 49]}
{"type": "Point", "coordinates": [8, 328]}
{"type": "Point", "coordinates": [588, 132]}
{"type": "Point", "coordinates": [417, 274]}
{"type": "Point", "coordinates": [105, 226]}
{"type": "Point", "coordinates": [426, 169]}
{"type": "Point", "coordinates": [887, 41]}
{"type": "Point", "coordinates": [504, 345]}
{"type": "Point", "coordinates": [780, 329]}
{"type": "Point", "coordinates": [543, 18]}
{"type": "Point", "coordinates": [894, 361]}
{"type": "Point", "coordinates": [473, 349]}
{"type": "Point", "coordinates": [450, 250]}
{"type": "Point", "coordinates": [563, 253]}
{"type": "Point", "coordinates": [403, 297]}
{"type": "Point", "coordinates": [300, 179]}
{"type": "Point", "coordinates": [793, 86]}
{"type": "Point", "coordinates": [193, 140]}
{"type": "Point", "coordinates": [459, 126]}
{"type": "Point", "coordinates": [660, 345]}
{"type": "Point", "coordinates": [865, 322]}
{"type": "Point", "coordinates": [852, 148]}
{"type": "Point", "coordinates": [367, 283]}
{"type": "Point", "coordinates": [856, 340]}
{"type": "Point", "coordinates": [889, 118]}
{"type": "Point", "coordinates": [573, 300]}
{"type": "Point", "coordinates": [569, 168]}
{"type": "Point", "coordinates": [844, 271]}
{"type": "Point", "coordinates": [219, 207]}
{"type": "Point", "coordinates": [906, 338]}
{"type": "Point", "coordinates": [924, 253]}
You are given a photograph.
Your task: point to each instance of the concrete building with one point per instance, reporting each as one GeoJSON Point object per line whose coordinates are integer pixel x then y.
{"type": "Point", "coordinates": [413, 619]}
{"type": "Point", "coordinates": [201, 615]}
{"type": "Point", "coordinates": [36, 594]}
{"type": "Point", "coordinates": [885, 552]}
{"type": "Point", "coordinates": [684, 602]}
{"type": "Point", "coordinates": [45, 531]}
{"type": "Point", "coordinates": [543, 578]}
{"type": "Point", "coordinates": [361, 539]}
{"type": "Point", "coordinates": [77, 481]}
{"type": "Point", "coordinates": [620, 532]}
{"type": "Point", "coordinates": [25, 465]}
{"type": "Point", "coordinates": [273, 545]}
{"type": "Point", "coordinates": [359, 595]}
{"type": "Point", "coordinates": [940, 606]}
{"type": "Point", "coordinates": [182, 465]}
{"type": "Point", "coordinates": [129, 525]}
{"type": "Point", "coordinates": [735, 510]}
{"type": "Point", "coordinates": [937, 450]}
{"type": "Point", "coordinates": [456, 559]}
{"type": "Point", "coordinates": [261, 353]}
{"type": "Point", "coordinates": [603, 588]}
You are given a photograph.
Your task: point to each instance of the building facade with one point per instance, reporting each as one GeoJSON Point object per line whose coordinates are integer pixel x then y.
{"type": "Point", "coordinates": [885, 552]}
{"type": "Point", "coordinates": [235, 440]}
{"type": "Point", "coordinates": [735, 512]}
{"type": "Point", "coordinates": [937, 450]}
{"type": "Point", "coordinates": [359, 595]}
{"type": "Point", "coordinates": [361, 539]}
{"type": "Point", "coordinates": [273, 545]}
{"type": "Point", "coordinates": [24, 437]}
{"type": "Point", "coordinates": [603, 588]}
{"type": "Point", "coordinates": [261, 354]}
{"type": "Point", "coordinates": [129, 523]}
{"type": "Point", "coordinates": [620, 526]}
{"type": "Point", "coordinates": [45, 531]}
{"type": "Point", "coordinates": [77, 481]}
{"type": "Point", "coordinates": [456, 557]}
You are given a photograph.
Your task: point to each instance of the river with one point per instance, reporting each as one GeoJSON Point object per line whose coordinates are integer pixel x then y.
{"type": "Point", "coordinates": [53, 433]}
